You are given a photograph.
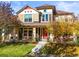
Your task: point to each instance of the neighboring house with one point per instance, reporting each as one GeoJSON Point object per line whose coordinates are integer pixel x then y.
{"type": "Point", "coordinates": [35, 20]}
{"type": "Point", "coordinates": [64, 16]}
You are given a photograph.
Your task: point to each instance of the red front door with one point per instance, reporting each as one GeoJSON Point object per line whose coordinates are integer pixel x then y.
{"type": "Point", "coordinates": [45, 34]}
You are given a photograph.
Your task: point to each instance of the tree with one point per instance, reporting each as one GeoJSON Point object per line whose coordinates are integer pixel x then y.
{"type": "Point", "coordinates": [7, 20]}
{"type": "Point", "coordinates": [64, 29]}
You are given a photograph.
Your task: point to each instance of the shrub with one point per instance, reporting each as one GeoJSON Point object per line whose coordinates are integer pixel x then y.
{"type": "Point", "coordinates": [58, 49]}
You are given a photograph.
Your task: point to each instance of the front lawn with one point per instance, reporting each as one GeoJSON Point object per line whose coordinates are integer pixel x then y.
{"type": "Point", "coordinates": [15, 50]}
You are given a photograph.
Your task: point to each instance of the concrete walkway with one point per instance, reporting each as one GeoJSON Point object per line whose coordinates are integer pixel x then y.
{"type": "Point", "coordinates": [39, 46]}
{"type": "Point", "coordinates": [36, 50]}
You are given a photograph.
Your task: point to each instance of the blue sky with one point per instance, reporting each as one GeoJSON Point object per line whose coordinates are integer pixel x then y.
{"type": "Point", "coordinates": [71, 6]}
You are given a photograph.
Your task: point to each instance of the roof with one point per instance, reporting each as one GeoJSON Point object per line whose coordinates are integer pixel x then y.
{"type": "Point", "coordinates": [59, 12]}
{"type": "Point", "coordinates": [45, 6]}
{"type": "Point", "coordinates": [34, 24]}
{"type": "Point", "coordinates": [26, 7]}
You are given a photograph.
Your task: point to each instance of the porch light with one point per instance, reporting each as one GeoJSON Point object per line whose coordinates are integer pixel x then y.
{"type": "Point", "coordinates": [9, 35]}
{"type": "Point", "coordinates": [3, 30]}
{"type": "Point", "coordinates": [16, 35]}
{"type": "Point", "coordinates": [3, 34]}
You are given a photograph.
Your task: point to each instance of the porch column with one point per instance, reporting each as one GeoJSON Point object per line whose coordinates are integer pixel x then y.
{"type": "Point", "coordinates": [34, 34]}
{"type": "Point", "coordinates": [51, 37]}
{"type": "Point", "coordinates": [10, 36]}
{"type": "Point", "coordinates": [42, 33]}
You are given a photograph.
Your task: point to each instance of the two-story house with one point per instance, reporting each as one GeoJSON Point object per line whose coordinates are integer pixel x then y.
{"type": "Point", "coordinates": [64, 16]}
{"type": "Point", "coordinates": [35, 20]}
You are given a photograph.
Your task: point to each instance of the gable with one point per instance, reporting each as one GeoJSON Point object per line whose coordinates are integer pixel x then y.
{"type": "Point", "coordinates": [30, 11]}
{"type": "Point", "coordinates": [27, 10]}
{"type": "Point", "coordinates": [48, 11]}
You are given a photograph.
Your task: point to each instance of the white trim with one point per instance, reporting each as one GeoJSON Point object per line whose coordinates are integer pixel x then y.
{"type": "Point", "coordinates": [28, 22]}
{"type": "Point", "coordinates": [34, 33]}
{"type": "Point", "coordinates": [45, 17]}
{"type": "Point", "coordinates": [52, 17]}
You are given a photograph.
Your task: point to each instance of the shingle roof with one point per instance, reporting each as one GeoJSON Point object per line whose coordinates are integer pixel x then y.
{"type": "Point", "coordinates": [45, 6]}
{"type": "Point", "coordinates": [24, 8]}
{"type": "Point", "coordinates": [59, 12]}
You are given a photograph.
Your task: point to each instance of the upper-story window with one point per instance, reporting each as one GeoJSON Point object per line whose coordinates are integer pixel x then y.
{"type": "Point", "coordinates": [25, 11]}
{"type": "Point", "coordinates": [45, 10]}
{"type": "Point", "coordinates": [28, 18]}
{"type": "Point", "coordinates": [45, 17]}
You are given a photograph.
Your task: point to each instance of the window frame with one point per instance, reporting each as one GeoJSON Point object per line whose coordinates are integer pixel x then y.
{"type": "Point", "coordinates": [29, 18]}
{"type": "Point", "coordinates": [45, 10]}
{"type": "Point", "coordinates": [44, 18]}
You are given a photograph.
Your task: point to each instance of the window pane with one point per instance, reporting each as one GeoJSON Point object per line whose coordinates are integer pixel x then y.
{"type": "Point", "coordinates": [26, 20]}
{"type": "Point", "coordinates": [46, 17]}
{"type": "Point", "coordinates": [44, 10]}
{"type": "Point", "coordinates": [25, 33]}
{"type": "Point", "coordinates": [28, 17]}
{"type": "Point", "coordinates": [30, 33]}
{"type": "Point", "coordinates": [43, 16]}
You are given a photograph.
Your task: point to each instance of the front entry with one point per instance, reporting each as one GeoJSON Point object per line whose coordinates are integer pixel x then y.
{"type": "Point", "coordinates": [28, 34]}
{"type": "Point", "coordinates": [20, 33]}
{"type": "Point", "coordinates": [44, 34]}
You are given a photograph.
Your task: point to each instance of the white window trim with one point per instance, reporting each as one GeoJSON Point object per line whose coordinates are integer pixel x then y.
{"type": "Point", "coordinates": [29, 22]}
{"type": "Point", "coordinates": [44, 18]}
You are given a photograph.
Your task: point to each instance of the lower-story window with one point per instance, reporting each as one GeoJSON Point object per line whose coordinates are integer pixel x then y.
{"type": "Point", "coordinates": [27, 31]}
{"type": "Point", "coordinates": [30, 33]}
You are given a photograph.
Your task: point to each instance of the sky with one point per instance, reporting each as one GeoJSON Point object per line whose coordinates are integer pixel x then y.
{"type": "Point", "coordinates": [70, 6]}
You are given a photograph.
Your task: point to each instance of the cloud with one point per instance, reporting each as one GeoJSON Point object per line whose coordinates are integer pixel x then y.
{"type": "Point", "coordinates": [68, 6]}
{"type": "Point", "coordinates": [71, 6]}
{"type": "Point", "coordinates": [17, 5]}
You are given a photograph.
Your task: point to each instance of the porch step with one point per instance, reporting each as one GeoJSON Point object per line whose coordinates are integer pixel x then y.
{"type": "Point", "coordinates": [44, 40]}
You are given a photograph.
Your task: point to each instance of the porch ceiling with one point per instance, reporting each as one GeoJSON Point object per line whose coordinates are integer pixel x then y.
{"type": "Point", "coordinates": [34, 24]}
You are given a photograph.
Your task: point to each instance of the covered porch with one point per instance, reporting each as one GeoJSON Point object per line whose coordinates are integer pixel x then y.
{"type": "Point", "coordinates": [33, 34]}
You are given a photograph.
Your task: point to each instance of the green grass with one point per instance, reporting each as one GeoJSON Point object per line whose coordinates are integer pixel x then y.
{"type": "Point", "coordinates": [15, 50]}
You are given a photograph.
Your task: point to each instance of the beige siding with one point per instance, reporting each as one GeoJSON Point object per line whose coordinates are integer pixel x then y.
{"type": "Point", "coordinates": [67, 18]}
{"type": "Point", "coordinates": [50, 17]}
{"type": "Point", "coordinates": [21, 17]}
{"type": "Point", "coordinates": [35, 17]}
